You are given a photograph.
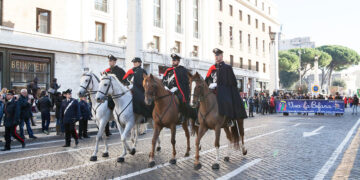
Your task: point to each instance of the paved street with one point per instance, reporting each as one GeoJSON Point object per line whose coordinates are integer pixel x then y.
{"type": "Point", "coordinates": [279, 147]}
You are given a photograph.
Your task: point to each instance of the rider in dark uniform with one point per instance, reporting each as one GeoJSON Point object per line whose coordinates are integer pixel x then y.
{"type": "Point", "coordinates": [135, 77]}
{"type": "Point", "coordinates": [222, 78]}
{"type": "Point", "coordinates": [119, 73]}
{"type": "Point", "coordinates": [176, 80]}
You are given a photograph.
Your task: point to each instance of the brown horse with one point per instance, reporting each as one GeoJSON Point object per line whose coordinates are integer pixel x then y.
{"type": "Point", "coordinates": [165, 114]}
{"type": "Point", "coordinates": [209, 118]}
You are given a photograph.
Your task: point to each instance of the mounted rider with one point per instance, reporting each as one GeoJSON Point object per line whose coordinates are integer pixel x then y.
{"type": "Point", "coordinates": [176, 80]}
{"type": "Point", "coordinates": [119, 73]}
{"type": "Point", "coordinates": [221, 78]}
{"type": "Point", "coordinates": [135, 76]}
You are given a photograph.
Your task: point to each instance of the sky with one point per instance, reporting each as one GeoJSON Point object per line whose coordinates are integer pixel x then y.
{"type": "Point", "coordinates": [327, 22]}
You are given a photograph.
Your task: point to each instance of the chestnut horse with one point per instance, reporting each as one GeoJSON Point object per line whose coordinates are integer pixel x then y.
{"type": "Point", "coordinates": [209, 118]}
{"type": "Point", "coordinates": [165, 114]}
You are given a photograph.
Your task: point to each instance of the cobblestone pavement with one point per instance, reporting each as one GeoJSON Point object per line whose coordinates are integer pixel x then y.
{"type": "Point", "coordinates": [279, 147]}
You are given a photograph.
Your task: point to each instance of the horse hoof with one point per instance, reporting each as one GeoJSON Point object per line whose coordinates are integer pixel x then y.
{"type": "Point", "coordinates": [187, 154]}
{"type": "Point", "coordinates": [226, 159]}
{"type": "Point", "coordinates": [120, 160]}
{"type": "Point", "coordinates": [215, 166]}
{"type": "Point", "coordinates": [172, 161]}
{"type": "Point", "coordinates": [197, 166]}
{"type": "Point", "coordinates": [200, 148]}
{"type": "Point", "coordinates": [151, 164]}
{"type": "Point", "coordinates": [244, 152]}
{"type": "Point", "coordinates": [133, 151]}
{"type": "Point", "coordinates": [105, 154]}
{"type": "Point", "coordinates": [93, 158]}
{"type": "Point", "coordinates": [158, 149]}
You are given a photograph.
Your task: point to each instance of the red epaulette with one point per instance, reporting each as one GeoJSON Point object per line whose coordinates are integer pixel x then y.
{"type": "Point", "coordinates": [107, 70]}
{"type": "Point", "coordinates": [169, 69]}
{"type": "Point", "coordinates": [128, 73]}
{"type": "Point", "coordinates": [213, 67]}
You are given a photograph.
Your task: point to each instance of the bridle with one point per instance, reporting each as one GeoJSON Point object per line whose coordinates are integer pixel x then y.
{"type": "Point", "coordinates": [90, 82]}
{"type": "Point", "coordinates": [203, 98]}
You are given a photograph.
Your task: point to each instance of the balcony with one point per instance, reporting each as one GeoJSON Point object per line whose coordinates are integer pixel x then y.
{"type": "Point", "coordinates": [101, 5]}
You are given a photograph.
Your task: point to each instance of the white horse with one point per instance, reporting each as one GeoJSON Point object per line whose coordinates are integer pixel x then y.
{"type": "Point", "coordinates": [89, 84]}
{"type": "Point", "coordinates": [125, 118]}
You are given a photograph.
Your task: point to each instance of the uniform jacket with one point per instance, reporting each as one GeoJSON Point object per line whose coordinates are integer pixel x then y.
{"type": "Point", "coordinates": [58, 102]}
{"type": "Point", "coordinates": [44, 104]}
{"type": "Point", "coordinates": [135, 76]}
{"type": "Point", "coordinates": [119, 72]}
{"type": "Point", "coordinates": [72, 113]}
{"type": "Point", "coordinates": [177, 77]}
{"type": "Point", "coordinates": [85, 110]}
{"type": "Point", "coordinates": [25, 107]}
{"type": "Point", "coordinates": [230, 103]}
{"type": "Point", "coordinates": [12, 113]}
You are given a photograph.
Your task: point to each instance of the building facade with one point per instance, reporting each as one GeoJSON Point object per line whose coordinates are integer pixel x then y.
{"type": "Point", "coordinates": [58, 39]}
{"type": "Point", "coordinates": [300, 42]}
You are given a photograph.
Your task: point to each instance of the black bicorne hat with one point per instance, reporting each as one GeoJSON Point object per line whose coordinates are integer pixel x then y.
{"type": "Point", "coordinates": [136, 59]}
{"type": "Point", "coordinates": [68, 91]}
{"type": "Point", "coordinates": [12, 92]}
{"type": "Point", "coordinates": [112, 58]}
{"type": "Point", "coordinates": [174, 56]}
{"type": "Point", "coordinates": [217, 51]}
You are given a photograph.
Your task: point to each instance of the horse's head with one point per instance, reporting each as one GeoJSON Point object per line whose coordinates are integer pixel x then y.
{"type": "Point", "coordinates": [197, 84]}
{"type": "Point", "coordinates": [86, 83]}
{"type": "Point", "coordinates": [151, 87]}
{"type": "Point", "coordinates": [105, 87]}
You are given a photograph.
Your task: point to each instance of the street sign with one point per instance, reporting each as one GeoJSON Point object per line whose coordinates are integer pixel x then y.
{"type": "Point", "coordinates": [315, 88]}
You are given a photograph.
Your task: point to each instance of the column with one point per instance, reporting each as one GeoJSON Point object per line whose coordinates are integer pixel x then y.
{"type": "Point", "coordinates": [134, 32]}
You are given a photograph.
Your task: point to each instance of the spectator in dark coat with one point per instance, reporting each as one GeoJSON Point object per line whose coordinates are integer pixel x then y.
{"type": "Point", "coordinates": [251, 107]}
{"type": "Point", "coordinates": [44, 106]}
{"type": "Point", "coordinates": [54, 86]}
{"type": "Point", "coordinates": [85, 117]}
{"type": "Point", "coordinates": [256, 104]}
{"type": "Point", "coordinates": [33, 87]}
{"type": "Point", "coordinates": [12, 119]}
{"type": "Point", "coordinates": [25, 114]}
{"type": "Point", "coordinates": [59, 124]}
{"type": "Point", "coordinates": [355, 104]}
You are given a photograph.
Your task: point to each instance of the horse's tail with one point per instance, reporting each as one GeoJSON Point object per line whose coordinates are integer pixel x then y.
{"type": "Point", "coordinates": [194, 128]}
{"type": "Point", "coordinates": [235, 138]}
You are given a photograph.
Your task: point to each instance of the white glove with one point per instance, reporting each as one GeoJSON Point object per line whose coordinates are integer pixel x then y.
{"type": "Point", "coordinates": [212, 85]}
{"type": "Point", "coordinates": [130, 86]}
{"type": "Point", "coordinates": [166, 88]}
{"type": "Point", "coordinates": [173, 89]}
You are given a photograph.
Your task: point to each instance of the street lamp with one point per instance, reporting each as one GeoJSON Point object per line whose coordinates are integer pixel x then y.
{"type": "Point", "coordinates": [300, 52]}
{"type": "Point", "coordinates": [316, 67]}
{"type": "Point", "coordinates": [272, 36]}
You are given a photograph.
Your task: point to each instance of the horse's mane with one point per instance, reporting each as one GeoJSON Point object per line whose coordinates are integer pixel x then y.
{"type": "Point", "coordinates": [89, 72]}
{"type": "Point", "coordinates": [158, 81]}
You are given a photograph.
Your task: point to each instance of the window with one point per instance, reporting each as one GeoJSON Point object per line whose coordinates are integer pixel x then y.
{"type": "Point", "coordinates": [43, 21]}
{"type": "Point", "coordinates": [269, 29]}
{"type": "Point", "coordinates": [249, 64]}
{"type": "Point", "coordinates": [241, 63]}
{"type": "Point", "coordinates": [231, 36]}
{"type": "Point", "coordinates": [249, 42]}
{"type": "Point", "coordinates": [195, 51]}
{"type": "Point", "coordinates": [231, 60]}
{"type": "Point", "coordinates": [101, 5]}
{"type": "Point", "coordinates": [257, 44]}
{"type": "Point", "coordinates": [230, 10]}
{"type": "Point", "coordinates": [256, 23]}
{"type": "Point", "coordinates": [220, 5]}
{"type": "Point", "coordinates": [256, 3]}
{"type": "Point", "coordinates": [257, 66]}
{"type": "Point", "coordinates": [249, 19]}
{"type": "Point", "coordinates": [269, 10]}
{"type": "Point", "coordinates": [178, 46]}
{"type": "Point", "coordinates": [196, 18]}
{"type": "Point", "coordinates": [264, 67]}
{"type": "Point", "coordinates": [240, 15]}
{"type": "Point", "coordinates": [263, 6]}
{"type": "Point", "coordinates": [100, 32]}
{"type": "Point", "coordinates": [240, 39]}
{"type": "Point", "coordinates": [157, 13]}
{"type": "Point", "coordinates": [156, 40]}
{"type": "Point", "coordinates": [263, 27]}
{"type": "Point", "coordinates": [263, 43]}
{"type": "Point", "coordinates": [220, 33]}
{"type": "Point", "coordinates": [178, 16]}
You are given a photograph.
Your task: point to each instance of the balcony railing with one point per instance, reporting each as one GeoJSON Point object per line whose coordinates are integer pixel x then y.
{"type": "Point", "coordinates": [196, 34]}
{"type": "Point", "coordinates": [178, 29]}
{"type": "Point", "coordinates": [101, 6]}
{"type": "Point", "coordinates": [157, 23]}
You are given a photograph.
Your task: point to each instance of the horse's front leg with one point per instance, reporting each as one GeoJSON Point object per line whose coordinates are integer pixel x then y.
{"type": "Point", "coordinates": [217, 146]}
{"type": "Point", "coordinates": [101, 124]}
{"type": "Point", "coordinates": [173, 142]}
{"type": "Point", "coordinates": [240, 125]}
{"type": "Point", "coordinates": [228, 136]}
{"type": "Point", "coordinates": [157, 130]}
{"type": "Point", "coordinates": [201, 132]}
{"type": "Point", "coordinates": [135, 129]}
{"type": "Point", "coordinates": [187, 134]}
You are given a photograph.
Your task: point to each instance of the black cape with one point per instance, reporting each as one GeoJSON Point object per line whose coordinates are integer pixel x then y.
{"type": "Point", "coordinates": [230, 103]}
{"type": "Point", "coordinates": [119, 72]}
{"type": "Point", "coordinates": [135, 75]}
{"type": "Point", "coordinates": [180, 80]}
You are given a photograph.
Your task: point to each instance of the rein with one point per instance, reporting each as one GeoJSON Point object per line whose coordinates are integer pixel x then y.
{"type": "Point", "coordinates": [203, 98]}
{"type": "Point", "coordinates": [167, 108]}
{"type": "Point", "coordinates": [90, 82]}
